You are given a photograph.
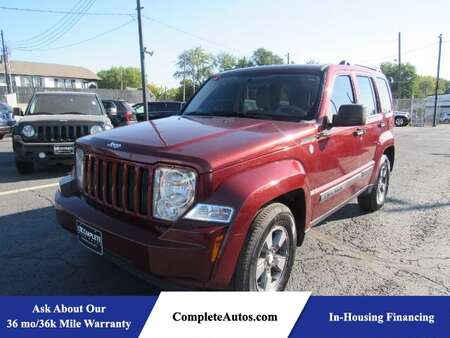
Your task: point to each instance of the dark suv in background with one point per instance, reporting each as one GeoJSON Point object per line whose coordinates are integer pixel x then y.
{"type": "Point", "coordinates": [52, 122]}
{"type": "Point", "coordinates": [158, 109]}
{"type": "Point", "coordinates": [120, 112]}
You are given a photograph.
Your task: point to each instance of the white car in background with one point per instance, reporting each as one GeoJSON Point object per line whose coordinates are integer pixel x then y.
{"type": "Point", "coordinates": [445, 117]}
{"type": "Point", "coordinates": [401, 118]}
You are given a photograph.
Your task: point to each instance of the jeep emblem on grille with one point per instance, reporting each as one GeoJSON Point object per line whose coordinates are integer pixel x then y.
{"type": "Point", "coordinates": [114, 145]}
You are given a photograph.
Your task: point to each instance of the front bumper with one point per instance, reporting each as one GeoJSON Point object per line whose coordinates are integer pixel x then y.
{"type": "Point", "coordinates": [182, 256]}
{"type": "Point", "coordinates": [30, 152]}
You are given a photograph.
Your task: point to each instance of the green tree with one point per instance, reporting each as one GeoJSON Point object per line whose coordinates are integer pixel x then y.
{"type": "Point", "coordinates": [408, 75]}
{"type": "Point", "coordinates": [225, 61]}
{"type": "Point", "coordinates": [262, 56]}
{"type": "Point", "coordinates": [244, 62]}
{"type": "Point", "coordinates": [312, 62]}
{"type": "Point", "coordinates": [158, 91]}
{"type": "Point", "coordinates": [195, 64]}
{"type": "Point", "coordinates": [119, 78]}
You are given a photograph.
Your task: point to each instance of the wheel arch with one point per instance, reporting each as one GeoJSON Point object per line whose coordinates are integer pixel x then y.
{"type": "Point", "coordinates": [283, 181]}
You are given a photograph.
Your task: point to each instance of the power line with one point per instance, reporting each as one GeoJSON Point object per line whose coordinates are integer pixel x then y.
{"type": "Point", "coordinates": [61, 21]}
{"type": "Point", "coordinates": [86, 40]}
{"type": "Point", "coordinates": [50, 11]}
{"type": "Point", "coordinates": [60, 32]}
{"type": "Point", "coordinates": [185, 32]}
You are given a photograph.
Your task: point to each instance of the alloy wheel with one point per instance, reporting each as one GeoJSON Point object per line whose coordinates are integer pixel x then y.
{"type": "Point", "coordinates": [383, 182]}
{"type": "Point", "coordinates": [272, 259]}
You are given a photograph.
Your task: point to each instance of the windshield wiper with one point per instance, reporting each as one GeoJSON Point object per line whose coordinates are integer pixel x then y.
{"type": "Point", "coordinates": [72, 113]}
{"type": "Point", "coordinates": [213, 114]}
{"type": "Point", "coordinates": [41, 113]}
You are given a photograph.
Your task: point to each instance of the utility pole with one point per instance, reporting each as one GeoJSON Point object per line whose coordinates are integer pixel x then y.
{"type": "Point", "coordinates": [5, 63]}
{"type": "Point", "coordinates": [437, 80]}
{"type": "Point", "coordinates": [399, 65]}
{"type": "Point", "coordinates": [142, 53]}
{"type": "Point", "coordinates": [184, 76]}
{"type": "Point", "coordinates": [288, 58]}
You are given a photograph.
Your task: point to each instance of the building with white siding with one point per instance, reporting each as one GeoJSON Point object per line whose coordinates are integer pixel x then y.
{"type": "Point", "coordinates": [48, 75]}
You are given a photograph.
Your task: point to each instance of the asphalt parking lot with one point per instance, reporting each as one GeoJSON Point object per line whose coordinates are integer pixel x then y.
{"type": "Point", "coordinates": [403, 249]}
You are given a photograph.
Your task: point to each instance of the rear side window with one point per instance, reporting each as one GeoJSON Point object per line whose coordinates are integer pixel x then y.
{"type": "Point", "coordinates": [342, 94]}
{"type": "Point", "coordinates": [385, 97]}
{"type": "Point", "coordinates": [123, 106]}
{"type": "Point", "coordinates": [108, 104]}
{"type": "Point", "coordinates": [367, 94]}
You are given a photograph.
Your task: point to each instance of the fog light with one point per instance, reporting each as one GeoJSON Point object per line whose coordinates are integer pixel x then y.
{"type": "Point", "coordinates": [42, 155]}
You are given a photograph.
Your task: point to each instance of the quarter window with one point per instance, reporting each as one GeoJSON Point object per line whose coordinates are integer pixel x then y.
{"type": "Point", "coordinates": [342, 94]}
{"type": "Point", "coordinates": [367, 94]}
{"type": "Point", "coordinates": [385, 97]}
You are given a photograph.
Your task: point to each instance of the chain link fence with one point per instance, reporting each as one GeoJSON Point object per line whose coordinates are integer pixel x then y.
{"type": "Point", "coordinates": [421, 110]}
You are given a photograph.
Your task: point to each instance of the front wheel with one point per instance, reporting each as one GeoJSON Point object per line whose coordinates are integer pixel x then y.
{"type": "Point", "coordinates": [266, 260]}
{"type": "Point", "coordinates": [400, 121]}
{"type": "Point", "coordinates": [375, 198]}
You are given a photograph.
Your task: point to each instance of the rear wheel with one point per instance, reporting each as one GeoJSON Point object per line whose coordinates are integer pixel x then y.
{"type": "Point", "coordinates": [24, 167]}
{"type": "Point", "coordinates": [375, 198]}
{"type": "Point", "coordinates": [266, 260]}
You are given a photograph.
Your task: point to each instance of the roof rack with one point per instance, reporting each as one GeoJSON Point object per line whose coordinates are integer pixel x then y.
{"type": "Point", "coordinates": [377, 69]}
{"type": "Point", "coordinates": [344, 63]}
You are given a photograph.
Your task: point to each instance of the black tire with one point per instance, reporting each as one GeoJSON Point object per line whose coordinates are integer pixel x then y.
{"type": "Point", "coordinates": [371, 200]}
{"type": "Point", "coordinates": [400, 121]}
{"type": "Point", "coordinates": [271, 220]}
{"type": "Point", "coordinates": [24, 167]}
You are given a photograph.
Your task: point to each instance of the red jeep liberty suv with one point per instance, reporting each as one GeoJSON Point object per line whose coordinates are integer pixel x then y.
{"type": "Point", "coordinates": [220, 196]}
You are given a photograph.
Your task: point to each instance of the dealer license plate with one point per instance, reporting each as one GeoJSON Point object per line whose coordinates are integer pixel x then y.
{"type": "Point", "coordinates": [63, 149]}
{"type": "Point", "coordinates": [91, 238]}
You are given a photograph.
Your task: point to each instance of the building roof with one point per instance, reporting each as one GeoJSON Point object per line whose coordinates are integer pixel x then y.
{"type": "Point", "coordinates": [50, 69]}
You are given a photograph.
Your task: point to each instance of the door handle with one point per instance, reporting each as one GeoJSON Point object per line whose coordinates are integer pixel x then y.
{"type": "Point", "coordinates": [360, 131]}
{"type": "Point", "coordinates": [323, 134]}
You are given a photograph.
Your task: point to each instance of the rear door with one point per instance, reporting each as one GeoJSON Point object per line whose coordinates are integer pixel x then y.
{"type": "Point", "coordinates": [375, 122]}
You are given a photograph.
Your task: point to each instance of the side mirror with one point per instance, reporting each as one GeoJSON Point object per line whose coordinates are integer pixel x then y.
{"type": "Point", "coordinates": [17, 111]}
{"type": "Point", "coordinates": [350, 115]}
{"type": "Point", "coordinates": [111, 111]}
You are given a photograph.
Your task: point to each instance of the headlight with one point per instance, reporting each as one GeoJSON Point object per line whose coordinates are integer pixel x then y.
{"type": "Point", "coordinates": [28, 131]}
{"type": "Point", "coordinates": [210, 213]}
{"type": "Point", "coordinates": [173, 192]}
{"type": "Point", "coordinates": [95, 129]}
{"type": "Point", "coordinates": [79, 167]}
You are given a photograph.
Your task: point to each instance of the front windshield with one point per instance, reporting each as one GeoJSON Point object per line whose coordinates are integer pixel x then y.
{"type": "Point", "coordinates": [291, 97]}
{"type": "Point", "coordinates": [48, 104]}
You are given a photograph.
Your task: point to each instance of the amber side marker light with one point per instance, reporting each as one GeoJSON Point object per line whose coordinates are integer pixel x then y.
{"type": "Point", "coordinates": [216, 247]}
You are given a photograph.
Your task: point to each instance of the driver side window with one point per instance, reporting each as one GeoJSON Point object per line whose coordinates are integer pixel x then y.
{"type": "Point", "coordinates": [342, 94]}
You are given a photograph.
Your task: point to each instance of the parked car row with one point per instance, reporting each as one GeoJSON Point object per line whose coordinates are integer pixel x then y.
{"type": "Point", "coordinates": [52, 121]}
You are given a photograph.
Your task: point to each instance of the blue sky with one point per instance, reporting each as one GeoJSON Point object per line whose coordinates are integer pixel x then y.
{"type": "Point", "coordinates": [359, 31]}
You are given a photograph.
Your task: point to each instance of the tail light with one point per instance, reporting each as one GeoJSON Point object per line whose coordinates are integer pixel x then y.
{"type": "Point", "coordinates": [128, 116]}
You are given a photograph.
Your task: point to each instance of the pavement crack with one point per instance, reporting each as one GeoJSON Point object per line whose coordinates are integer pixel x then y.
{"type": "Point", "coordinates": [43, 197]}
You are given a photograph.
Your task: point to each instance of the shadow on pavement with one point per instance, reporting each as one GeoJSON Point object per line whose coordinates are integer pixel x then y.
{"type": "Point", "coordinates": [40, 258]}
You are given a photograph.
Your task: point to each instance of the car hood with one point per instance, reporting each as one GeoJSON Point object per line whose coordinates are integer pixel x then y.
{"type": "Point", "coordinates": [62, 118]}
{"type": "Point", "coordinates": [206, 143]}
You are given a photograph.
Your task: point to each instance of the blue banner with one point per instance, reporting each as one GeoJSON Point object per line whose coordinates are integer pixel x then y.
{"type": "Point", "coordinates": [226, 314]}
